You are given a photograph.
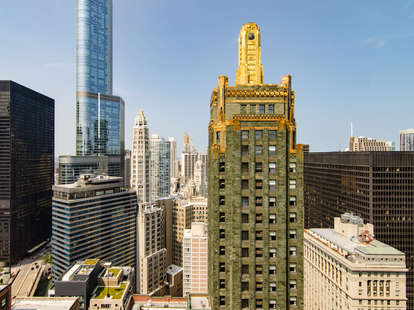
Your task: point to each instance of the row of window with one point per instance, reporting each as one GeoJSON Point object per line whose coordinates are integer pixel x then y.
{"type": "Point", "coordinates": [260, 109]}
{"type": "Point", "coordinates": [258, 134]}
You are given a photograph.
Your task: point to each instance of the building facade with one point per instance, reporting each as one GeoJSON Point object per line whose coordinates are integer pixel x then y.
{"type": "Point", "coordinates": [362, 144]}
{"type": "Point", "coordinates": [94, 217]}
{"type": "Point", "coordinates": [195, 259]}
{"type": "Point", "coordinates": [140, 163]}
{"type": "Point", "coordinates": [159, 167]}
{"type": "Point", "coordinates": [152, 254]}
{"type": "Point", "coordinates": [407, 140]}
{"type": "Point", "coordinates": [27, 146]}
{"type": "Point", "coordinates": [127, 168]}
{"type": "Point", "coordinates": [255, 181]}
{"type": "Point", "coordinates": [377, 186]}
{"type": "Point", "coordinates": [173, 158]}
{"type": "Point", "coordinates": [346, 268]}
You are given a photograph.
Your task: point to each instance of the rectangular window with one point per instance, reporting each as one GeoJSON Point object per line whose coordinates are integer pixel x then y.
{"type": "Point", "coordinates": [259, 269]}
{"type": "Point", "coordinates": [292, 251]}
{"type": "Point", "coordinates": [245, 269]}
{"type": "Point", "coordinates": [259, 184]}
{"type": "Point", "coordinates": [222, 250]}
{"type": "Point", "coordinates": [292, 284]}
{"type": "Point", "coordinates": [261, 109]}
{"type": "Point", "coordinates": [221, 167]}
{"type": "Point", "coordinates": [292, 167]}
{"type": "Point", "coordinates": [222, 200]}
{"type": "Point", "coordinates": [272, 201]}
{"type": "Point", "coordinates": [245, 201]}
{"type": "Point", "coordinates": [272, 287]}
{"type": "Point", "coordinates": [259, 235]}
{"type": "Point", "coordinates": [245, 167]}
{"type": "Point", "coordinates": [272, 218]}
{"type": "Point", "coordinates": [243, 109]}
{"type": "Point", "coordinates": [218, 137]}
{"type": "Point", "coordinates": [245, 218]}
{"type": "Point", "coordinates": [272, 150]}
{"type": "Point", "coordinates": [292, 301]}
{"type": "Point", "coordinates": [272, 168]}
{"type": "Point", "coordinates": [259, 167]}
{"type": "Point", "coordinates": [292, 201]}
{"type": "Point", "coordinates": [245, 150]}
{"type": "Point", "coordinates": [292, 267]}
{"type": "Point", "coordinates": [245, 235]}
{"type": "Point", "coordinates": [259, 218]}
{"type": "Point", "coordinates": [222, 217]}
{"type": "Point", "coordinates": [292, 234]}
{"type": "Point", "coordinates": [259, 252]}
{"type": "Point", "coordinates": [272, 252]}
{"type": "Point", "coordinates": [253, 109]}
{"type": "Point", "coordinates": [222, 233]}
{"type": "Point", "coordinates": [272, 236]}
{"type": "Point", "coordinates": [259, 134]}
{"type": "Point", "coordinates": [222, 267]}
{"type": "Point", "coordinates": [245, 134]}
{"type": "Point", "coordinates": [259, 286]}
{"type": "Point", "coordinates": [271, 109]}
{"type": "Point", "coordinates": [272, 134]}
{"type": "Point", "coordinates": [292, 217]}
{"type": "Point", "coordinates": [272, 185]}
{"type": "Point", "coordinates": [259, 149]}
{"type": "Point", "coordinates": [272, 269]}
{"type": "Point", "coordinates": [245, 184]}
{"type": "Point", "coordinates": [259, 201]}
{"type": "Point", "coordinates": [292, 184]}
{"type": "Point", "coordinates": [245, 302]}
{"type": "Point", "coordinates": [222, 183]}
{"type": "Point", "coordinates": [245, 252]}
{"type": "Point", "coordinates": [272, 304]}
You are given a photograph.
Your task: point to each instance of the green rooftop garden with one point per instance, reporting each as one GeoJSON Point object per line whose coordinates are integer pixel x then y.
{"type": "Point", "coordinates": [114, 292]}
{"type": "Point", "coordinates": [114, 271]}
{"type": "Point", "coordinates": [90, 261]}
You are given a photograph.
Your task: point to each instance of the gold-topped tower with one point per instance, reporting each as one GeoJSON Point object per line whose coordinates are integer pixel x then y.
{"type": "Point", "coordinates": [250, 71]}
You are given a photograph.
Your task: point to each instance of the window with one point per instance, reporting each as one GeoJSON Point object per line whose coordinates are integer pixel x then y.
{"type": "Point", "coordinates": [259, 167]}
{"type": "Point", "coordinates": [245, 184]}
{"type": "Point", "coordinates": [271, 109]}
{"type": "Point", "coordinates": [292, 167]}
{"type": "Point", "coordinates": [272, 286]}
{"type": "Point", "coordinates": [292, 217]}
{"type": "Point", "coordinates": [222, 267]}
{"type": "Point", "coordinates": [259, 303]}
{"type": "Point", "coordinates": [245, 269]}
{"type": "Point", "coordinates": [245, 201]}
{"type": "Point", "coordinates": [245, 235]}
{"type": "Point", "coordinates": [292, 184]}
{"type": "Point", "coordinates": [261, 109]}
{"type": "Point", "coordinates": [272, 252]}
{"type": "Point", "coordinates": [245, 134]}
{"type": "Point", "coordinates": [245, 150]}
{"type": "Point", "coordinates": [245, 252]}
{"type": "Point", "coordinates": [218, 137]}
{"type": "Point", "coordinates": [245, 302]}
{"type": "Point", "coordinates": [259, 218]}
{"type": "Point", "coordinates": [259, 201]}
{"type": "Point", "coordinates": [259, 184]}
{"type": "Point", "coordinates": [272, 269]}
{"type": "Point", "coordinates": [272, 185]}
{"type": "Point", "coordinates": [272, 201]}
{"type": "Point", "coordinates": [245, 218]}
{"type": "Point", "coordinates": [292, 234]}
{"type": "Point", "coordinates": [243, 109]}
{"type": "Point", "coordinates": [259, 134]}
{"type": "Point", "coordinates": [272, 218]}
{"type": "Point", "coordinates": [222, 300]}
{"type": "Point", "coordinates": [222, 200]}
{"type": "Point", "coordinates": [272, 168]}
{"type": "Point", "coordinates": [292, 201]}
{"type": "Point", "coordinates": [272, 134]}
{"type": "Point", "coordinates": [222, 283]}
{"type": "Point", "coordinates": [292, 251]}
{"type": "Point", "coordinates": [272, 150]}
{"type": "Point", "coordinates": [292, 284]}
{"type": "Point", "coordinates": [221, 167]}
{"type": "Point", "coordinates": [259, 235]}
{"type": "Point", "coordinates": [292, 267]}
{"type": "Point", "coordinates": [222, 184]}
{"type": "Point", "coordinates": [292, 301]}
{"type": "Point", "coordinates": [259, 252]}
{"type": "Point", "coordinates": [245, 167]}
{"type": "Point", "coordinates": [222, 250]}
{"type": "Point", "coordinates": [259, 269]}
{"type": "Point", "coordinates": [222, 217]}
{"type": "Point", "coordinates": [259, 149]}
{"type": "Point", "coordinates": [272, 304]}
{"type": "Point", "coordinates": [272, 236]}
{"type": "Point", "coordinates": [253, 109]}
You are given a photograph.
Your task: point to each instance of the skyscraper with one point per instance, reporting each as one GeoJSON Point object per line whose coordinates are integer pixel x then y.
{"type": "Point", "coordinates": [160, 167]}
{"type": "Point", "coordinates": [255, 182]}
{"type": "Point", "coordinates": [140, 161]}
{"type": "Point", "coordinates": [99, 114]}
{"type": "Point", "coordinates": [407, 140]}
{"type": "Point", "coordinates": [27, 147]}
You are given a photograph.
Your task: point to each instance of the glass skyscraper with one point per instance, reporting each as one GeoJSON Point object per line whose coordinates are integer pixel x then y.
{"type": "Point", "coordinates": [99, 115]}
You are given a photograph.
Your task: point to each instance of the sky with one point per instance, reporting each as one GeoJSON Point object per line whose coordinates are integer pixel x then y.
{"type": "Point", "coordinates": [349, 61]}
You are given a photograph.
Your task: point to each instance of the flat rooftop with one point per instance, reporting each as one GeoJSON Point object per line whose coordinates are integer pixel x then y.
{"type": "Point", "coordinates": [353, 245]}
{"type": "Point", "coordinates": [82, 268]}
{"type": "Point", "coordinates": [174, 269]}
{"type": "Point", "coordinates": [114, 292]}
{"type": "Point", "coordinates": [43, 303]}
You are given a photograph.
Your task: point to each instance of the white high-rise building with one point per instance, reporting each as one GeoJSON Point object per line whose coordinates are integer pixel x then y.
{"type": "Point", "coordinates": [173, 158]}
{"type": "Point", "coordinates": [140, 159]}
{"type": "Point", "coordinates": [346, 268]}
{"type": "Point", "coordinates": [195, 259]}
{"type": "Point", "coordinates": [160, 167]}
{"type": "Point", "coordinates": [407, 140]}
{"type": "Point", "coordinates": [200, 178]}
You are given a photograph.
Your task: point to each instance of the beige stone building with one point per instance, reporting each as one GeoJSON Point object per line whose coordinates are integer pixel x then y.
{"type": "Point", "coordinates": [185, 211]}
{"type": "Point", "coordinates": [363, 144]}
{"type": "Point", "coordinates": [152, 254]}
{"type": "Point", "coordinates": [195, 259]}
{"type": "Point", "coordinates": [347, 268]}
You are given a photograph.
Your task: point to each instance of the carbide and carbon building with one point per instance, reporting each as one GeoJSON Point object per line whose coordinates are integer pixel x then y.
{"type": "Point", "coordinates": [255, 179]}
{"type": "Point", "coordinates": [94, 217]}
{"type": "Point", "coordinates": [27, 146]}
{"type": "Point", "coordinates": [377, 186]}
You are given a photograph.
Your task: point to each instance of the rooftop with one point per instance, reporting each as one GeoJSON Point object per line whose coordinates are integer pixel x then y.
{"type": "Point", "coordinates": [44, 303]}
{"type": "Point", "coordinates": [114, 292]}
{"type": "Point", "coordinates": [174, 269]}
{"type": "Point", "coordinates": [82, 269]}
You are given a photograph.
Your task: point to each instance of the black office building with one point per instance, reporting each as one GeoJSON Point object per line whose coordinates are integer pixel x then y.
{"type": "Point", "coordinates": [26, 169]}
{"type": "Point", "coordinates": [378, 186]}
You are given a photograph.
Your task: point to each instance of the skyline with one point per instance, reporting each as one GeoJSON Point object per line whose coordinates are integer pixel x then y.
{"type": "Point", "coordinates": [162, 61]}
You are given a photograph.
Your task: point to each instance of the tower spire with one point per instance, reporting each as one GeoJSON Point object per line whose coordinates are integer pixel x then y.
{"type": "Point", "coordinates": [250, 71]}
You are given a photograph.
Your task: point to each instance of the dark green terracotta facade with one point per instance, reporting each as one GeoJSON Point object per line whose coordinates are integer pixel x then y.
{"type": "Point", "coordinates": [249, 218]}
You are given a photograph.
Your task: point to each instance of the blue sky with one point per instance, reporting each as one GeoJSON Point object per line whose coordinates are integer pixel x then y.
{"type": "Point", "coordinates": [350, 61]}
